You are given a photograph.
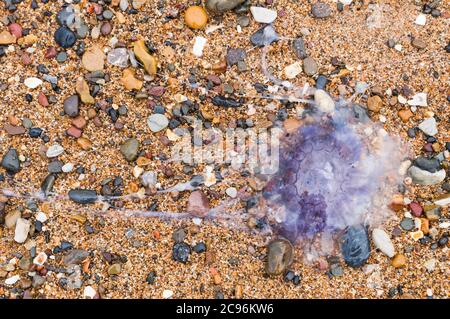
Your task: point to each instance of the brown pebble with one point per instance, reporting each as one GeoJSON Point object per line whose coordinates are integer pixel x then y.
{"type": "Point", "coordinates": [399, 261]}
{"type": "Point", "coordinates": [196, 17]}
{"type": "Point", "coordinates": [42, 99]}
{"type": "Point", "coordinates": [79, 122]}
{"type": "Point", "coordinates": [14, 130]}
{"type": "Point", "coordinates": [26, 59]}
{"type": "Point", "coordinates": [91, 113]}
{"type": "Point", "coordinates": [106, 28]}
{"type": "Point", "coordinates": [74, 132]}
{"type": "Point", "coordinates": [84, 143]}
{"type": "Point", "coordinates": [50, 53]}
{"type": "Point", "coordinates": [374, 103]}
{"type": "Point", "coordinates": [419, 43]}
{"type": "Point", "coordinates": [405, 115]}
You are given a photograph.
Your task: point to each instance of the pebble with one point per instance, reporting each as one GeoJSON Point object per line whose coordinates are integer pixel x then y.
{"type": "Point", "coordinates": [181, 252]}
{"type": "Point", "coordinates": [64, 37]}
{"type": "Point", "coordinates": [419, 43]}
{"type": "Point", "coordinates": [196, 17]}
{"type": "Point", "coordinates": [299, 48]}
{"type": "Point", "coordinates": [114, 269]}
{"type": "Point", "coordinates": [198, 204]}
{"type": "Point", "coordinates": [129, 81]}
{"type": "Point", "coordinates": [416, 209]}
{"type": "Point", "coordinates": [89, 292]}
{"type": "Point", "coordinates": [355, 246]}
{"type": "Point", "coordinates": [130, 149]}
{"type": "Point", "coordinates": [7, 38]}
{"type": "Point", "coordinates": [12, 280]}
{"type": "Point", "coordinates": [118, 57]}
{"type": "Point", "coordinates": [292, 70]}
{"type": "Point", "coordinates": [419, 99]}
{"type": "Point", "coordinates": [310, 66]}
{"type": "Point", "coordinates": [399, 261]}
{"type": "Point", "coordinates": [157, 122]}
{"type": "Point", "coordinates": [320, 10]}
{"type": "Point", "coordinates": [234, 56]}
{"type": "Point", "coordinates": [15, 29]}
{"type": "Point", "coordinates": [11, 218]}
{"type": "Point", "coordinates": [324, 102]}
{"type": "Point", "coordinates": [374, 103]}
{"type": "Point", "coordinates": [221, 6]}
{"type": "Point", "coordinates": [200, 248]}
{"type": "Point", "coordinates": [222, 101]}
{"type": "Point", "coordinates": [423, 177]}
{"type": "Point", "coordinates": [243, 21]}
{"type": "Point", "coordinates": [83, 196]}
{"type": "Point", "coordinates": [263, 15]}
{"type": "Point", "coordinates": [199, 44]}
{"type": "Point", "coordinates": [22, 230]}
{"type": "Point", "coordinates": [264, 36]}
{"type": "Point", "coordinates": [167, 294]}
{"type": "Point", "coordinates": [429, 126]}
{"type": "Point", "coordinates": [32, 82]}
{"type": "Point", "coordinates": [93, 59]}
{"type": "Point", "coordinates": [54, 151]}
{"type": "Point", "coordinates": [421, 19]}
{"type": "Point", "coordinates": [10, 161]}
{"type": "Point", "coordinates": [231, 191]}
{"type": "Point", "coordinates": [75, 257]}
{"type": "Point", "coordinates": [149, 61]}
{"type": "Point", "coordinates": [71, 105]}
{"type": "Point", "coordinates": [280, 255]}
{"type": "Point", "coordinates": [431, 165]}
{"type": "Point", "coordinates": [382, 241]}
{"type": "Point", "coordinates": [407, 224]}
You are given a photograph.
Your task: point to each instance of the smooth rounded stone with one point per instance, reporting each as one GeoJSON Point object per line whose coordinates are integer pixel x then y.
{"type": "Point", "coordinates": [157, 122]}
{"type": "Point", "coordinates": [75, 257]}
{"type": "Point", "coordinates": [82, 31]}
{"type": "Point", "coordinates": [320, 10]}
{"type": "Point", "coordinates": [55, 167]}
{"type": "Point", "coordinates": [181, 252]}
{"type": "Point", "coordinates": [71, 105]}
{"type": "Point", "coordinates": [64, 37]}
{"type": "Point", "coordinates": [231, 191]}
{"type": "Point", "coordinates": [323, 101]}
{"type": "Point", "coordinates": [429, 126]}
{"type": "Point", "coordinates": [222, 101]}
{"type": "Point", "coordinates": [196, 17]}
{"type": "Point", "coordinates": [47, 184]}
{"type": "Point", "coordinates": [220, 6]}
{"type": "Point", "coordinates": [198, 204]}
{"type": "Point", "coordinates": [263, 15]}
{"type": "Point", "coordinates": [22, 230]}
{"type": "Point", "coordinates": [83, 196]}
{"type": "Point", "coordinates": [11, 218]}
{"type": "Point", "coordinates": [431, 165]}
{"type": "Point", "coordinates": [66, 16]}
{"type": "Point", "coordinates": [264, 36]}
{"type": "Point", "coordinates": [10, 161]}
{"type": "Point", "coordinates": [199, 248]}
{"type": "Point", "coordinates": [130, 149]}
{"type": "Point", "coordinates": [179, 235]}
{"type": "Point", "coordinates": [32, 82]}
{"type": "Point", "coordinates": [37, 281]}
{"type": "Point", "coordinates": [118, 57]}
{"type": "Point", "coordinates": [280, 255]}
{"type": "Point", "coordinates": [407, 224]}
{"type": "Point", "coordinates": [423, 177]}
{"type": "Point", "coordinates": [93, 59]}
{"type": "Point", "coordinates": [382, 241]}
{"type": "Point", "coordinates": [299, 48]}
{"type": "Point", "coordinates": [54, 151]}
{"type": "Point", "coordinates": [114, 269]}
{"type": "Point", "coordinates": [14, 130]}
{"type": "Point", "coordinates": [310, 66]}
{"type": "Point", "coordinates": [355, 246]}
{"type": "Point", "coordinates": [108, 14]}
{"type": "Point", "coordinates": [243, 21]}
{"type": "Point", "coordinates": [321, 82]}
{"type": "Point", "coordinates": [61, 57]}
{"type": "Point", "coordinates": [235, 55]}
{"type": "Point", "coordinates": [149, 178]}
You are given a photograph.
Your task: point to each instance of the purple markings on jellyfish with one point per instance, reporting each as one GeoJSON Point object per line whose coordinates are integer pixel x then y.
{"type": "Point", "coordinates": [328, 177]}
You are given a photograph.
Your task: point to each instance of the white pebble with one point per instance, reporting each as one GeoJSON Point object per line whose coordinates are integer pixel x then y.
{"type": "Point", "coordinates": [382, 241]}
{"type": "Point", "coordinates": [55, 150]}
{"type": "Point", "coordinates": [263, 15]}
{"type": "Point", "coordinates": [421, 19]}
{"type": "Point", "coordinates": [41, 217]}
{"type": "Point", "coordinates": [231, 191]}
{"type": "Point", "coordinates": [89, 292]}
{"type": "Point", "coordinates": [21, 231]}
{"type": "Point", "coordinates": [323, 101]}
{"type": "Point", "coordinates": [68, 167]}
{"type": "Point", "coordinates": [32, 82]}
{"type": "Point", "coordinates": [420, 99]}
{"type": "Point", "coordinates": [40, 259]}
{"type": "Point", "coordinates": [429, 126]}
{"type": "Point", "coordinates": [167, 294]}
{"type": "Point", "coordinates": [12, 280]}
{"type": "Point", "coordinates": [199, 44]}
{"type": "Point", "coordinates": [292, 70]}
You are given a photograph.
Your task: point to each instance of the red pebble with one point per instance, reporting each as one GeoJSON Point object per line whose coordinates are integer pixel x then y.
{"type": "Point", "coordinates": [428, 147]}
{"type": "Point", "coordinates": [416, 209]}
{"type": "Point", "coordinates": [157, 91]}
{"type": "Point", "coordinates": [50, 53]}
{"type": "Point", "coordinates": [42, 99]}
{"type": "Point", "coordinates": [15, 29]}
{"type": "Point", "coordinates": [74, 132]}
{"type": "Point", "coordinates": [26, 59]}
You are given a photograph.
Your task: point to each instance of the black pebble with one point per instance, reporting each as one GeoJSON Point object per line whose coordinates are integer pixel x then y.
{"type": "Point", "coordinates": [64, 37]}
